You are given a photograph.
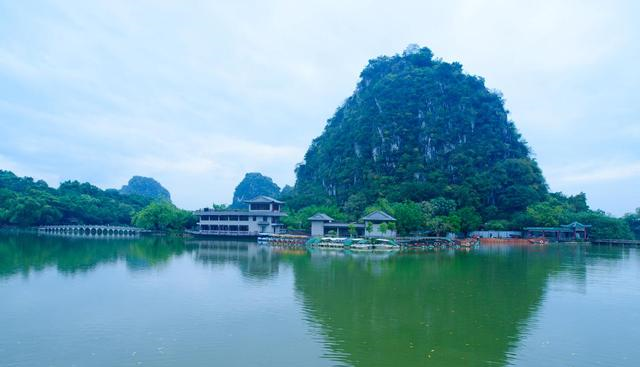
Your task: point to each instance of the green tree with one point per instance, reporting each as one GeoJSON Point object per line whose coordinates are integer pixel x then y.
{"type": "Point", "coordinates": [352, 230]}
{"type": "Point", "coordinates": [299, 219]}
{"type": "Point", "coordinates": [550, 213]}
{"type": "Point", "coordinates": [410, 217]}
{"type": "Point", "coordinates": [470, 220]}
{"type": "Point", "coordinates": [633, 221]}
{"type": "Point", "coordinates": [162, 215]}
{"type": "Point", "coordinates": [497, 225]}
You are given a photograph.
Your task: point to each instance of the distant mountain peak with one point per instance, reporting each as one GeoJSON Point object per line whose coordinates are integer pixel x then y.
{"type": "Point", "coordinates": [147, 187]}
{"type": "Point", "coordinates": [252, 185]}
{"type": "Point", "coordinates": [418, 128]}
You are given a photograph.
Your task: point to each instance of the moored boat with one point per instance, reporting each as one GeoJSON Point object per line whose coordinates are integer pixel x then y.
{"type": "Point", "coordinates": [273, 239]}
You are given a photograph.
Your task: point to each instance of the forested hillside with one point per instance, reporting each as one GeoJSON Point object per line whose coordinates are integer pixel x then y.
{"type": "Point", "coordinates": [417, 128]}
{"type": "Point", "coordinates": [433, 146]}
{"type": "Point", "coordinates": [25, 202]}
{"type": "Point", "coordinates": [147, 187]}
{"type": "Point", "coordinates": [253, 184]}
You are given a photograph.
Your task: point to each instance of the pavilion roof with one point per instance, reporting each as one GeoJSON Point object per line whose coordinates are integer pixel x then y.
{"type": "Point", "coordinates": [263, 199]}
{"type": "Point", "coordinates": [379, 215]}
{"type": "Point", "coordinates": [320, 217]}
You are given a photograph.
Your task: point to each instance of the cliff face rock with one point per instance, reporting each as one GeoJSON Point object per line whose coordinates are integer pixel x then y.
{"type": "Point", "coordinates": [417, 128]}
{"type": "Point", "coordinates": [146, 187]}
{"type": "Point", "coordinates": [254, 184]}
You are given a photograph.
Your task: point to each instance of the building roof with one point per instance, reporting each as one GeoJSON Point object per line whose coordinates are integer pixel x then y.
{"type": "Point", "coordinates": [320, 217]}
{"type": "Point", "coordinates": [563, 227]}
{"type": "Point", "coordinates": [256, 213]}
{"type": "Point", "coordinates": [379, 215]}
{"type": "Point", "coordinates": [263, 199]}
{"type": "Point", "coordinates": [576, 225]}
{"type": "Point", "coordinates": [343, 225]}
{"type": "Point", "coordinates": [550, 229]}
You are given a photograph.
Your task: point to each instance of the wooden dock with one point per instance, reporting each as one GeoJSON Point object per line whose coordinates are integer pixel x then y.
{"type": "Point", "coordinates": [611, 242]}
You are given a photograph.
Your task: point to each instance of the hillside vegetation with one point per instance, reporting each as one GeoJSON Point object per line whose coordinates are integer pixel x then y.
{"type": "Point", "coordinates": [147, 187]}
{"type": "Point", "coordinates": [253, 184]}
{"type": "Point", "coordinates": [25, 202]}
{"type": "Point", "coordinates": [432, 145]}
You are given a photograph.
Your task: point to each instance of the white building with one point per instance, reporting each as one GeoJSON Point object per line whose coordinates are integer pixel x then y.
{"type": "Point", "coordinates": [371, 226]}
{"type": "Point", "coordinates": [264, 216]}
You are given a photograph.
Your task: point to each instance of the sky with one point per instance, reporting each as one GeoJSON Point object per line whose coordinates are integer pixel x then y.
{"type": "Point", "coordinates": [197, 93]}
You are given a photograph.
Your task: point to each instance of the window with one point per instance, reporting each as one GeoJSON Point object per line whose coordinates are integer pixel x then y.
{"type": "Point", "coordinates": [213, 217]}
{"type": "Point", "coordinates": [275, 220]}
{"type": "Point", "coordinates": [243, 218]}
{"type": "Point", "coordinates": [254, 218]}
{"type": "Point", "coordinates": [214, 227]}
{"type": "Point", "coordinates": [244, 228]}
{"type": "Point", "coordinates": [265, 219]}
{"type": "Point", "coordinates": [233, 228]}
{"type": "Point", "coordinates": [224, 218]}
{"type": "Point", "coordinates": [260, 206]}
{"type": "Point", "coordinates": [233, 217]}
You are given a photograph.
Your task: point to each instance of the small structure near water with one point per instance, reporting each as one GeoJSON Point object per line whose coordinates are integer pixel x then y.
{"type": "Point", "coordinates": [575, 231]}
{"type": "Point", "coordinates": [377, 224]}
{"type": "Point", "coordinates": [496, 234]}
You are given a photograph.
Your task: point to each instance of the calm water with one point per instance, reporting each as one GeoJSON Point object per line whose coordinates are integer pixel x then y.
{"type": "Point", "coordinates": [170, 302]}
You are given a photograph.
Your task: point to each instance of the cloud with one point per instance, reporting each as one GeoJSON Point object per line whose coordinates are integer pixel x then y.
{"type": "Point", "coordinates": [198, 93]}
{"type": "Point", "coordinates": [597, 172]}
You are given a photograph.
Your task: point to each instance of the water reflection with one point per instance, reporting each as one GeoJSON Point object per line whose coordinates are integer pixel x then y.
{"type": "Point", "coordinates": [414, 309]}
{"type": "Point", "coordinates": [444, 308]}
{"type": "Point", "coordinates": [26, 253]}
{"type": "Point", "coordinates": [255, 262]}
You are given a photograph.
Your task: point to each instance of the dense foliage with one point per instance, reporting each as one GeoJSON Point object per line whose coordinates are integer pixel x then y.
{"type": "Point", "coordinates": [163, 216]}
{"type": "Point", "coordinates": [633, 221]}
{"type": "Point", "coordinates": [299, 219]}
{"type": "Point", "coordinates": [417, 128]}
{"type": "Point", "coordinates": [147, 187]}
{"type": "Point", "coordinates": [432, 146]}
{"type": "Point", "coordinates": [25, 202]}
{"type": "Point", "coordinates": [254, 184]}
{"type": "Point", "coordinates": [558, 209]}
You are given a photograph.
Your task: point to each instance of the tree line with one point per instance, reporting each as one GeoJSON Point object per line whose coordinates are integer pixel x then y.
{"type": "Point", "coordinates": [25, 202]}
{"type": "Point", "coordinates": [440, 215]}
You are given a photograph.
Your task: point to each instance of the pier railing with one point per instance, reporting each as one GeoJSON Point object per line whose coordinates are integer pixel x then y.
{"type": "Point", "coordinates": [612, 242]}
{"type": "Point", "coordinates": [90, 230]}
{"type": "Point", "coordinates": [225, 233]}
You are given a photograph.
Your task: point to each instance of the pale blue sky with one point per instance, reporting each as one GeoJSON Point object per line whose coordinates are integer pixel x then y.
{"type": "Point", "coordinates": [196, 93]}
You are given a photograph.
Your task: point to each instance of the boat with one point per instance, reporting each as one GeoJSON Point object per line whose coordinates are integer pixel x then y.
{"type": "Point", "coordinates": [272, 239]}
{"type": "Point", "coordinates": [469, 242]}
{"type": "Point", "coordinates": [360, 244]}
{"type": "Point", "coordinates": [539, 241]}
{"type": "Point", "coordinates": [384, 244]}
{"type": "Point", "coordinates": [331, 242]}
{"type": "Point", "coordinates": [428, 242]}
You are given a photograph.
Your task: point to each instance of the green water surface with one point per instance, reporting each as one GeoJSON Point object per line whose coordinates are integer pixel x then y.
{"type": "Point", "coordinates": [175, 302]}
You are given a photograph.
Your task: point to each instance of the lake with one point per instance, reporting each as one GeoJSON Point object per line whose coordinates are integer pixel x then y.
{"type": "Point", "coordinates": [175, 302]}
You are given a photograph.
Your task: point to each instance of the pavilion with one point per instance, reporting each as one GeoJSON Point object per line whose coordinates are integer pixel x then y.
{"type": "Point", "coordinates": [575, 231]}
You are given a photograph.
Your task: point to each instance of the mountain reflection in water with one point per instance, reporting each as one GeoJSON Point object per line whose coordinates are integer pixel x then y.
{"type": "Point", "coordinates": [439, 308]}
